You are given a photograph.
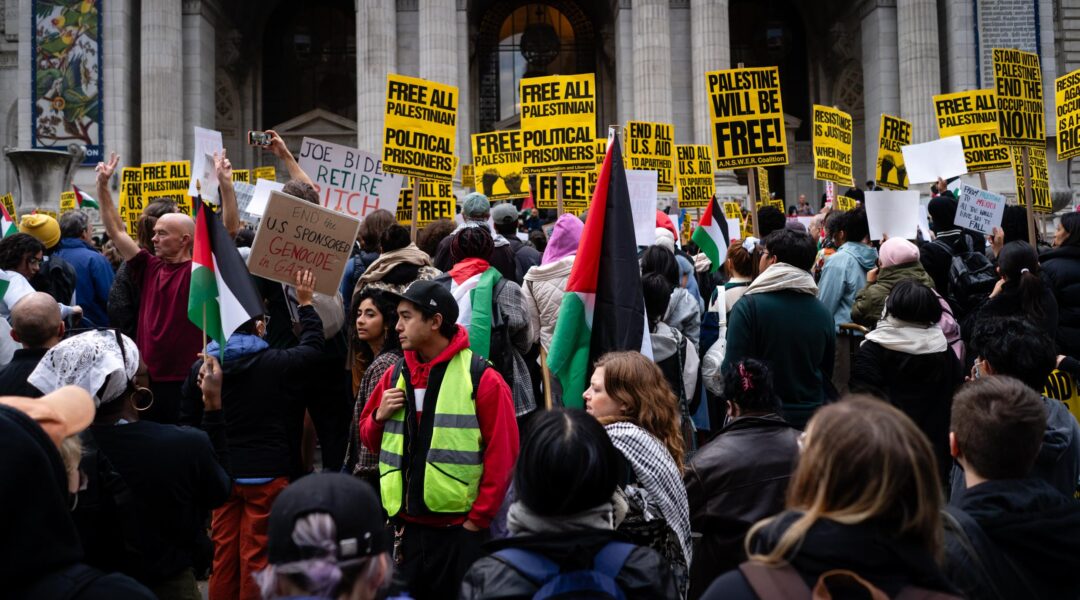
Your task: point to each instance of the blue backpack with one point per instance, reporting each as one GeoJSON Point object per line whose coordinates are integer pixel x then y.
{"type": "Point", "coordinates": [599, 582]}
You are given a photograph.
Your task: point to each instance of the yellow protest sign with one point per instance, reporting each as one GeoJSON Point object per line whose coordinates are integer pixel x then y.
{"type": "Point", "coordinates": [844, 203]}
{"type": "Point", "coordinates": [437, 201]}
{"type": "Point", "coordinates": [420, 128]}
{"type": "Point", "coordinates": [9, 204]}
{"type": "Point", "coordinates": [763, 193]}
{"type": "Point", "coordinates": [732, 210]}
{"type": "Point", "coordinates": [468, 176]}
{"type": "Point", "coordinates": [131, 203]}
{"type": "Point", "coordinates": [695, 175]}
{"type": "Point", "coordinates": [167, 181]}
{"type": "Point", "coordinates": [242, 175]}
{"type": "Point", "coordinates": [973, 116]}
{"type": "Point", "coordinates": [267, 173]}
{"type": "Point", "coordinates": [651, 147]}
{"type": "Point", "coordinates": [747, 117]}
{"type": "Point", "coordinates": [1040, 180]}
{"type": "Point", "coordinates": [558, 123]}
{"type": "Point", "coordinates": [833, 131]}
{"type": "Point", "coordinates": [1018, 91]}
{"type": "Point", "coordinates": [498, 158]}
{"type": "Point", "coordinates": [575, 188]}
{"type": "Point", "coordinates": [1067, 111]}
{"type": "Point", "coordinates": [777, 203]}
{"type": "Point", "coordinates": [67, 202]}
{"type": "Point", "coordinates": [894, 133]}
{"type": "Point", "coordinates": [1061, 386]}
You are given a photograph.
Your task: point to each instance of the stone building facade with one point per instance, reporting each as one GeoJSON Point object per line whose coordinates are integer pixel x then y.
{"type": "Point", "coordinates": [319, 67]}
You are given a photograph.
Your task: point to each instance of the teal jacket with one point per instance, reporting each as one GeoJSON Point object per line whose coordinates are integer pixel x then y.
{"type": "Point", "coordinates": [843, 276]}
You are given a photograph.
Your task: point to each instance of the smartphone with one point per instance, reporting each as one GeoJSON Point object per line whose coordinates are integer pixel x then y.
{"type": "Point", "coordinates": [258, 138]}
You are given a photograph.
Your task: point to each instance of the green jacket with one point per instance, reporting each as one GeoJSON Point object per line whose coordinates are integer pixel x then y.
{"type": "Point", "coordinates": [870, 300]}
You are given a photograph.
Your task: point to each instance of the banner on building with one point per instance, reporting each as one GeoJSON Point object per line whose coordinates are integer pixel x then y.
{"type": "Point", "coordinates": [498, 158]}
{"type": "Point", "coordinates": [973, 116]}
{"type": "Point", "coordinates": [651, 147]}
{"type": "Point", "coordinates": [437, 201]}
{"type": "Point", "coordinates": [167, 181]}
{"type": "Point", "coordinates": [695, 175]}
{"type": "Point", "coordinates": [575, 187]}
{"type": "Point", "coordinates": [558, 123]}
{"type": "Point", "coordinates": [747, 117]}
{"type": "Point", "coordinates": [1018, 92]}
{"type": "Point", "coordinates": [131, 202]}
{"type": "Point", "coordinates": [348, 180]}
{"type": "Point", "coordinates": [833, 132]}
{"type": "Point", "coordinates": [420, 128]}
{"type": "Point", "coordinates": [1067, 114]}
{"type": "Point", "coordinates": [1040, 180]}
{"type": "Point", "coordinates": [894, 134]}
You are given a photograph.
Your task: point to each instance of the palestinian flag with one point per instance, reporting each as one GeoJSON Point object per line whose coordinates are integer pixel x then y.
{"type": "Point", "coordinates": [603, 309]}
{"type": "Point", "coordinates": [222, 295]}
{"type": "Point", "coordinates": [13, 287]}
{"type": "Point", "coordinates": [472, 283]}
{"type": "Point", "coordinates": [8, 226]}
{"type": "Point", "coordinates": [83, 200]}
{"type": "Point", "coordinates": [711, 236]}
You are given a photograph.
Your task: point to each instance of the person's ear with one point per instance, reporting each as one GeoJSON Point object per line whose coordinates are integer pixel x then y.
{"type": "Point", "coordinates": [987, 368]}
{"type": "Point", "coordinates": [954, 449]}
{"type": "Point", "coordinates": [732, 409]}
{"type": "Point", "coordinates": [15, 336]}
{"type": "Point", "coordinates": [436, 321]}
{"type": "Point", "coordinates": [61, 330]}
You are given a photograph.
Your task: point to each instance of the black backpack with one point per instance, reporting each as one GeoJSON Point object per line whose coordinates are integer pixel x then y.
{"type": "Point", "coordinates": [971, 277]}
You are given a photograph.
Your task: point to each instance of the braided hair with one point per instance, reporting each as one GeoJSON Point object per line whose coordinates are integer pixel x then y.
{"type": "Point", "coordinates": [471, 242]}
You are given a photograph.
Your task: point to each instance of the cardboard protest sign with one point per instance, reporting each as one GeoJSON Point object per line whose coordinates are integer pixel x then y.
{"type": "Point", "coordinates": [131, 202]}
{"type": "Point", "coordinates": [558, 123]}
{"type": "Point", "coordinates": [498, 157]}
{"type": "Point", "coordinates": [268, 173]}
{"type": "Point", "coordinates": [893, 214]}
{"type": "Point", "coordinates": [844, 203]}
{"type": "Point", "coordinates": [747, 117]}
{"type": "Point", "coordinates": [833, 132]}
{"type": "Point", "coordinates": [1040, 180]}
{"type": "Point", "coordinates": [1067, 112]}
{"type": "Point", "coordinates": [1018, 92]}
{"type": "Point", "coordinates": [695, 175]}
{"type": "Point", "coordinates": [979, 210]}
{"type": "Point", "coordinates": [763, 193]}
{"type": "Point", "coordinates": [437, 201]}
{"type": "Point", "coordinates": [420, 128]}
{"type": "Point", "coordinates": [348, 180]}
{"type": "Point", "coordinates": [9, 204]}
{"type": "Point", "coordinates": [642, 188]}
{"type": "Point", "coordinates": [296, 235]}
{"type": "Point", "coordinates": [167, 181]}
{"type": "Point", "coordinates": [241, 175]}
{"type": "Point", "coordinates": [577, 193]}
{"type": "Point", "coordinates": [651, 147]}
{"type": "Point", "coordinates": [894, 134]}
{"type": "Point", "coordinates": [261, 195]}
{"type": "Point", "coordinates": [468, 176]}
{"type": "Point", "coordinates": [973, 116]}
{"type": "Point", "coordinates": [67, 202]}
{"type": "Point", "coordinates": [207, 142]}
{"type": "Point", "coordinates": [929, 161]}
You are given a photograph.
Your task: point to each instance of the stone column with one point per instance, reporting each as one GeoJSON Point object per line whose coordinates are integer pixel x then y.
{"type": "Point", "coordinates": [960, 41]}
{"type": "Point", "coordinates": [438, 41]}
{"type": "Point", "coordinates": [881, 75]}
{"type": "Point", "coordinates": [26, 58]}
{"type": "Point", "coordinates": [710, 44]}
{"type": "Point", "coordinates": [120, 44]}
{"type": "Point", "coordinates": [199, 72]}
{"type": "Point", "coordinates": [652, 61]}
{"type": "Point", "coordinates": [376, 57]}
{"type": "Point", "coordinates": [920, 71]}
{"type": "Point", "coordinates": [161, 87]}
{"type": "Point", "coordinates": [464, 123]}
{"type": "Point", "coordinates": [624, 65]}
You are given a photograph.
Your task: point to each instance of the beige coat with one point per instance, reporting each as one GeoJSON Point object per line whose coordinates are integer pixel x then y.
{"type": "Point", "coordinates": [543, 288]}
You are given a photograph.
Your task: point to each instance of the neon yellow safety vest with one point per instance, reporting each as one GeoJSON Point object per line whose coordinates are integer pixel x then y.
{"type": "Point", "coordinates": [454, 461]}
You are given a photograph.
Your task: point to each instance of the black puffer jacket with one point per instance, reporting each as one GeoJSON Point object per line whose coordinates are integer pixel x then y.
{"type": "Point", "coordinates": [1062, 269]}
{"type": "Point", "coordinates": [645, 574]}
{"type": "Point", "coordinates": [734, 481]}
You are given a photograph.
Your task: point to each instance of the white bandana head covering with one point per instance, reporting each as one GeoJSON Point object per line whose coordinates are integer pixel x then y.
{"type": "Point", "coordinates": [92, 361]}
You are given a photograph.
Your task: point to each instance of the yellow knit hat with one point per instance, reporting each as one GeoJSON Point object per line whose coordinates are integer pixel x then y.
{"type": "Point", "coordinates": [43, 227]}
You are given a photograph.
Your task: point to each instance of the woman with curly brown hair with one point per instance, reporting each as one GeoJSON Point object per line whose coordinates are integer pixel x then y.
{"type": "Point", "coordinates": [630, 397]}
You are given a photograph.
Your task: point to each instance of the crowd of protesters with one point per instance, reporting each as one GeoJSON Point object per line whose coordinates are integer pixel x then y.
{"type": "Point", "coordinates": [821, 413]}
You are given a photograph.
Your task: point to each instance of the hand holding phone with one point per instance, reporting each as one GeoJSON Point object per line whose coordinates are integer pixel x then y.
{"type": "Point", "coordinates": [259, 138]}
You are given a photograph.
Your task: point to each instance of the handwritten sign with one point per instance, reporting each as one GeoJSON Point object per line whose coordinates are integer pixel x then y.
{"type": "Point", "coordinates": [1067, 111]}
{"type": "Point", "coordinates": [1018, 90]}
{"type": "Point", "coordinates": [695, 175]}
{"type": "Point", "coordinates": [499, 156]}
{"type": "Point", "coordinates": [979, 210]}
{"type": "Point", "coordinates": [651, 147]}
{"type": "Point", "coordinates": [420, 128]}
{"type": "Point", "coordinates": [747, 117]}
{"type": "Point", "coordinates": [973, 116]}
{"type": "Point", "coordinates": [895, 133]}
{"type": "Point", "coordinates": [348, 180]}
{"type": "Point", "coordinates": [1040, 180]}
{"type": "Point", "coordinates": [558, 123]}
{"type": "Point", "coordinates": [833, 131]}
{"type": "Point", "coordinates": [437, 201]}
{"type": "Point", "coordinates": [296, 235]}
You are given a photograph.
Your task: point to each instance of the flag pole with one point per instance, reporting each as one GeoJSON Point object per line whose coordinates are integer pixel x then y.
{"type": "Point", "coordinates": [558, 194]}
{"type": "Point", "coordinates": [415, 206]}
{"type": "Point", "coordinates": [547, 378]}
{"type": "Point", "coordinates": [196, 209]}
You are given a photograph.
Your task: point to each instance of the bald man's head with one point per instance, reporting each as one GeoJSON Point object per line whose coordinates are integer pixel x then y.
{"type": "Point", "coordinates": [36, 322]}
{"type": "Point", "coordinates": [173, 237]}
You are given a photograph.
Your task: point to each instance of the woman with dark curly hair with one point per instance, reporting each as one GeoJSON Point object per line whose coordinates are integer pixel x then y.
{"type": "Point", "coordinates": [20, 258]}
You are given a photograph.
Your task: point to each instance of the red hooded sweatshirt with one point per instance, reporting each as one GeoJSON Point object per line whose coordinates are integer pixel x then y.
{"type": "Point", "coordinates": [498, 428]}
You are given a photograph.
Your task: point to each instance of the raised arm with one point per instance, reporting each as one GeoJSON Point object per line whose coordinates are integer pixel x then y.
{"type": "Point", "coordinates": [230, 214]}
{"type": "Point", "coordinates": [277, 148]}
{"type": "Point", "coordinates": [110, 216]}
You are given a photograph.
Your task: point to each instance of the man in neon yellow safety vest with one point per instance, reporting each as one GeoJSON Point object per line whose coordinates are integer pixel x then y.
{"type": "Point", "coordinates": [442, 421]}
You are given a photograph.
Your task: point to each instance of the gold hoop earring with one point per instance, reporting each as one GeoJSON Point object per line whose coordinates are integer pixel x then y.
{"type": "Point", "coordinates": [141, 391]}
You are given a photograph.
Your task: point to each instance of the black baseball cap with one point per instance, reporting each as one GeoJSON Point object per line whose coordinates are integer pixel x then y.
{"type": "Point", "coordinates": [349, 501]}
{"type": "Point", "coordinates": [432, 298]}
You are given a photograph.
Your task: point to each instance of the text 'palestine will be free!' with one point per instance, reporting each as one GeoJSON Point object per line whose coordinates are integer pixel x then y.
{"type": "Point", "coordinates": [747, 117]}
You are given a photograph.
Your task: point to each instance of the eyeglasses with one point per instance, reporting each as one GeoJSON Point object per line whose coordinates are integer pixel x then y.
{"type": "Point", "coordinates": [32, 262]}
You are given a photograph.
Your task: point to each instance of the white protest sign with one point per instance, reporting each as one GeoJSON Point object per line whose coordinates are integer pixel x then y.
{"type": "Point", "coordinates": [734, 230]}
{"type": "Point", "coordinates": [942, 158]}
{"type": "Point", "coordinates": [348, 180]}
{"type": "Point", "coordinates": [207, 142]}
{"type": "Point", "coordinates": [924, 218]}
{"type": "Point", "coordinates": [893, 214]}
{"type": "Point", "coordinates": [642, 186]}
{"type": "Point", "coordinates": [261, 194]}
{"type": "Point", "coordinates": [294, 235]}
{"type": "Point", "coordinates": [979, 210]}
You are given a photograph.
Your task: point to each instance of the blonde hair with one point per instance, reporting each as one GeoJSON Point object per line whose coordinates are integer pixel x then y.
{"type": "Point", "coordinates": [863, 460]}
{"type": "Point", "coordinates": [637, 383]}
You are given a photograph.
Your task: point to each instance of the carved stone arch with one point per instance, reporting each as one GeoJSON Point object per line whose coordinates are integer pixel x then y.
{"type": "Point", "coordinates": [847, 91]}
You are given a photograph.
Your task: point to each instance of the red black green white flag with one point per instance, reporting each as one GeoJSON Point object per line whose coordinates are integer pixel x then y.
{"type": "Point", "coordinates": [84, 200]}
{"type": "Point", "coordinates": [711, 236]}
{"type": "Point", "coordinates": [603, 309]}
{"type": "Point", "coordinates": [222, 296]}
